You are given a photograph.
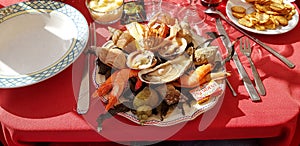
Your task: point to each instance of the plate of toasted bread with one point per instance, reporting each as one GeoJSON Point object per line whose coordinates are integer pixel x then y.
{"type": "Point", "coordinates": [263, 16]}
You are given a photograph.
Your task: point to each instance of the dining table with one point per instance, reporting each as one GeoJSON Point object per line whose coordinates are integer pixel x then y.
{"type": "Point", "coordinates": [45, 112]}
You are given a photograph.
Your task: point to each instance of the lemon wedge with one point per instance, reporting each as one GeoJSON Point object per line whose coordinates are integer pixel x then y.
{"type": "Point", "coordinates": [136, 30]}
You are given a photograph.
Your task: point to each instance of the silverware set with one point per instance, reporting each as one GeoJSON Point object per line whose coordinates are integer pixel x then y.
{"type": "Point", "coordinates": [246, 80]}
{"type": "Point", "coordinates": [230, 49]}
{"type": "Point", "coordinates": [246, 50]}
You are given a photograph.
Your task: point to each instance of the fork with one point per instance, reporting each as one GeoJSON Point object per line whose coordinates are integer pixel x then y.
{"type": "Point", "coordinates": [246, 50]}
{"type": "Point", "coordinates": [84, 91]}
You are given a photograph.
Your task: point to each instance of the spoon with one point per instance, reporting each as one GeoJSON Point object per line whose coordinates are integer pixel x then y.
{"type": "Point", "coordinates": [212, 10]}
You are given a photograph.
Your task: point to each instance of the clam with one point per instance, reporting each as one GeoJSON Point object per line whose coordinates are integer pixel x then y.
{"type": "Point", "coordinates": [166, 72]}
{"type": "Point", "coordinates": [173, 48]}
{"type": "Point", "coordinates": [151, 43]}
{"type": "Point", "coordinates": [122, 39]}
{"type": "Point", "coordinates": [115, 34]}
{"type": "Point", "coordinates": [205, 55]}
{"type": "Point", "coordinates": [141, 60]}
{"type": "Point", "coordinates": [110, 55]}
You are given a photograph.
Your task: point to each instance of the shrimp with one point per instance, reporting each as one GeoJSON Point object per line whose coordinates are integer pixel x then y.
{"type": "Point", "coordinates": [116, 84]}
{"type": "Point", "coordinates": [200, 76]}
{"type": "Point", "coordinates": [207, 78]}
{"type": "Point", "coordinates": [193, 78]}
{"type": "Point", "coordinates": [214, 76]}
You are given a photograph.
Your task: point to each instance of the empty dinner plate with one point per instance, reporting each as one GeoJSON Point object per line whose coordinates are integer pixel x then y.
{"type": "Point", "coordinates": [38, 40]}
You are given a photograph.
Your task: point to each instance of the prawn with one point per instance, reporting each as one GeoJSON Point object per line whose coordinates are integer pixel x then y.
{"type": "Point", "coordinates": [207, 78]}
{"type": "Point", "coordinates": [116, 84]}
{"type": "Point", "coordinates": [200, 76]}
{"type": "Point", "coordinates": [194, 77]}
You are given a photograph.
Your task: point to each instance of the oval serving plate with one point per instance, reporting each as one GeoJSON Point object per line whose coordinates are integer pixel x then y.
{"type": "Point", "coordinates": [279, 30]}
{"type": "Point", "coordinates": [39, 39]}
{"type": "Point", "coordinates": [174, 116]}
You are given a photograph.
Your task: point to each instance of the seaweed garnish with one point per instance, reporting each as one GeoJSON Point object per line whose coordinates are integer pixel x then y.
{"type": "Point", "coordinates": [164, 108]}
{"type": "Point", "coordinates": [188, 95]}
{"type": "Point", "coordinates": [103, 68]}
{"type": "Point", "coordinates": [123, 107]}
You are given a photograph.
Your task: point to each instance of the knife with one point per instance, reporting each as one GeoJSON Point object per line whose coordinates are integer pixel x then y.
{"type": "Point", "coordinates": [229, 51]}
{"type": "Point", "coordinates": [84, 91]}
{"type": "Point", "coordinates": [225, 39]}
{"type": "Point", "coordinates": [83, 102]}
{"type": "Point", "coordinates": [246, 80]}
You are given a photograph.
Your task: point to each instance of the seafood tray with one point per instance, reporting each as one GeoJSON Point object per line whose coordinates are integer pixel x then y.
{"type": "Point", "coordinates": [161, 72]}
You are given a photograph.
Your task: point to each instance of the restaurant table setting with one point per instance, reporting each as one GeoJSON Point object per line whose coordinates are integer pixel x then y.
{"type": "Point", "coordinates": [62, 82]}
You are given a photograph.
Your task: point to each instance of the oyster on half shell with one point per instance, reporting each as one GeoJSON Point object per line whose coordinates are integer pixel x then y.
{"type": "Point", "coordinates": [141, 60]}
{"type": "Point", "coordinates": [173, 48]}
{"type": "Point", "coordinates": [166, 72]}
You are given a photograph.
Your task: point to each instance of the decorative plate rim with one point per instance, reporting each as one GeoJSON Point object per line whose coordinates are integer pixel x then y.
{"type": "Point", "coordinates": [76, 47]}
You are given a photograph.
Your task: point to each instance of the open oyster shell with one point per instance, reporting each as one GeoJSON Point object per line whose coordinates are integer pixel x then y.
{"type": "Point", "coordinates": [166, 72]}
{"type": "Point", "coordinates": [141, 60]}
{"type": "Point", "coordinates": [173, 48]}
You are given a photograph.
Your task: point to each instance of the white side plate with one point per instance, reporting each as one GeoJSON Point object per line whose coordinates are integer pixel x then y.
{"type": "Point", "coordinates": [38, 40]}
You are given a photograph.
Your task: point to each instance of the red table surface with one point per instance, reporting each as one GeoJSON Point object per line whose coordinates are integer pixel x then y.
{"type": "Point", "coordinates": [45, 112]}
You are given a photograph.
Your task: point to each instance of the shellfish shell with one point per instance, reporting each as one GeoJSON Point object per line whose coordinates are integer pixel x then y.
{"type": "Point", "coordinates": [205, 55]}
{"type": "Point", "coordinates": [141, 60]}
{"type": "Point", "coordinates": [111, 55]}
{"type": "Point", "coordinates": [166, 72]}
{"type": "Point", "coordinates": [173, 48]}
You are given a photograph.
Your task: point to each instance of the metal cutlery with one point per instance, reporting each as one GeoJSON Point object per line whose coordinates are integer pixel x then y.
{"type": "Point", "coordinates": [229, 49]}
{"type": "Point", "coordinates": [213, 10]}
{"type": "Point", "coordinates": [246, 80]}
{"type": "Point", "coordinates": [84, 91]}
{"type": "Point", "coordinates": [246, 50]}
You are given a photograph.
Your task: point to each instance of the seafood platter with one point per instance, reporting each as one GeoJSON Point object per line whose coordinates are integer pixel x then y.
{"type": "Point", "coordinates": [159, 72]}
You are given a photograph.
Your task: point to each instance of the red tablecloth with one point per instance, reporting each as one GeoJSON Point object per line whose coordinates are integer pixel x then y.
{"type": "Point", "coordinates": [45, 112]}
